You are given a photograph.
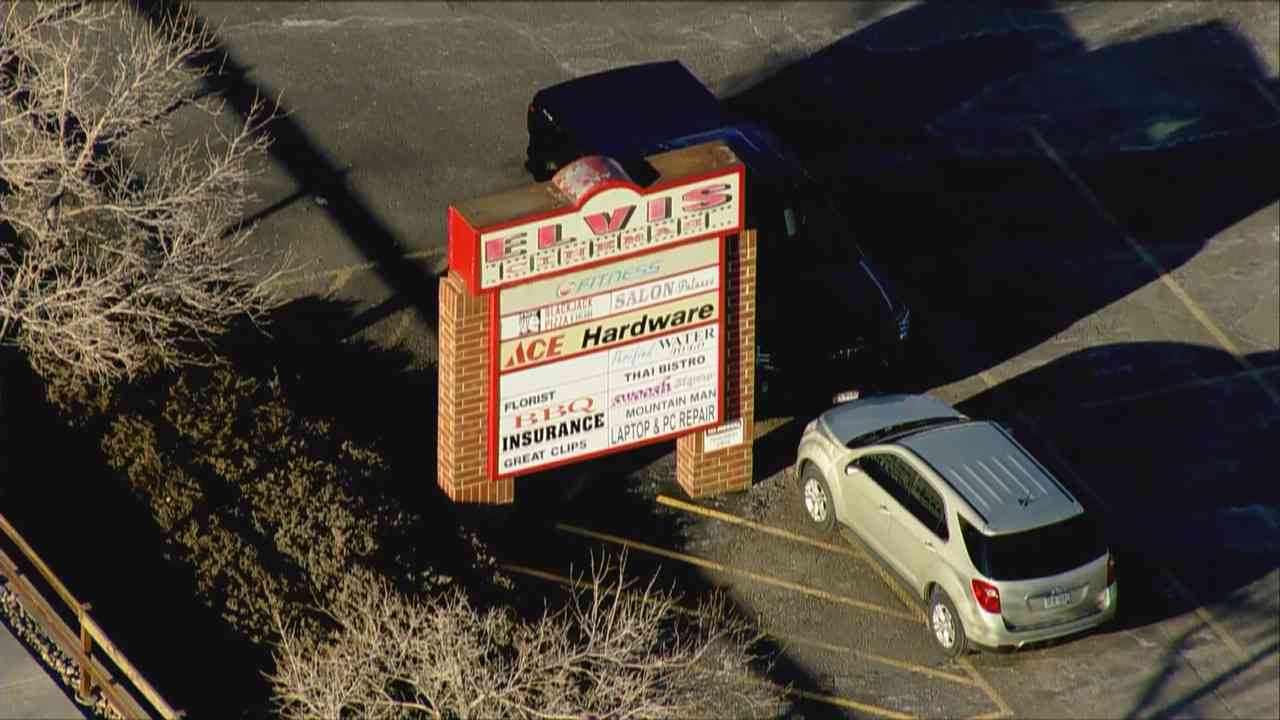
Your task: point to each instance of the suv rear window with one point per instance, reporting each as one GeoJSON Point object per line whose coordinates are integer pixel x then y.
{"type": "Point", "coordinates": [1041, 552]}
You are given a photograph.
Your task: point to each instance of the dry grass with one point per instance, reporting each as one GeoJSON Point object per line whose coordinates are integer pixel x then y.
{"type": "Point", "coordinates": [270, 509]}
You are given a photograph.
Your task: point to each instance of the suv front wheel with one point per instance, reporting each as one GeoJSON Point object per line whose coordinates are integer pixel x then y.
{"type": "Point", "coordinates": [815, 494]}
{"type": "Point", "coordinates": [944, 621]}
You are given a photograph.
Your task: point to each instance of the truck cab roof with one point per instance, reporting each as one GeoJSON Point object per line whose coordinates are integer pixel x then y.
{"type": "Point", "coordinates": [642, 110]}
{"type": "Point", "coordinates": [618, 111]}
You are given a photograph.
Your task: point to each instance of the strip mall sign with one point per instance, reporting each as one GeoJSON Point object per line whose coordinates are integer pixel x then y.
{"type": "Point", "coordinates": [607, 304]}
{"type": "Point", "coordinates": [615, 221]}
{"type": "Point", "coordinates": [600, 360]}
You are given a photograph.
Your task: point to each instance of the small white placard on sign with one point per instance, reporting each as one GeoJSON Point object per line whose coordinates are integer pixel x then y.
{"type": "Point", "coordinates": [724, 436]}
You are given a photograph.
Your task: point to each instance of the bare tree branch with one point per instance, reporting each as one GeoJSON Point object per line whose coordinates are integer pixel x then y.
{"type": "Point", "coordinates": [618, 649]}
{"type": "Point", "coordinates": [119, 262]}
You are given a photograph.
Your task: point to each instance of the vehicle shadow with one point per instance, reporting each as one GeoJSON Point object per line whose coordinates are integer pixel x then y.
{"type": "Point", "coordinates": [1172, 444]}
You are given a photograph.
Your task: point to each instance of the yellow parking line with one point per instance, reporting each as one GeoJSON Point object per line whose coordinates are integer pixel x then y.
{"type": "Point", "coordinates": [735, 520]}
{"type": "Point", "coordinates": [788, 637]}
{"type": "Point", "coordinates": [907, 598]}
{"type": "Point", "coordinates": [1266, 94]}
{"type": "Point", "coordinates": [1201, 612]}
{"type": "Point", "coordinates": [1207, 618]}
{"type": "Point", "coordinates": [540, 574]}
{"type": "Point", "coordinates": [921, 669]}
{"type": "Point", "coordinates": [851, 704]}
{"type": "Point", "coordinates": [765, 579]}
{"type": "Point", "coordinates": [986, 686]}
{"type": "Point", "coordinates": [1152, 262]}
{"type": "Point", "coordinates": [892, 662]}
{"type": "Point", "coordinates": [1188, 385]}
{"type": "Point", "coordinates": [344, 273]}
{"type": "Point", "coordinates": [1201, 316]}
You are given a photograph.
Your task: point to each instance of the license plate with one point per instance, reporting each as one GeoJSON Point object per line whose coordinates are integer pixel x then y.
{"type": "Point", "coordinates": [1057, 600]}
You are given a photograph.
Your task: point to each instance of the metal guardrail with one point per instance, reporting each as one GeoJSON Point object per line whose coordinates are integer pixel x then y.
{"type": "Point", "coordinates": [80, 646]}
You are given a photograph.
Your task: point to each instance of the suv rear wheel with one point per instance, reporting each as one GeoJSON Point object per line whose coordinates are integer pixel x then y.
{"type": "Point", "coordinates": [944, 621]}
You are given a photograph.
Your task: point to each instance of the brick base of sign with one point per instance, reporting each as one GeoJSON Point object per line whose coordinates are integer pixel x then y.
{"type": "Point", "coordinates": [702, 473]}
{"type": "Point", "coordinates": [462, 416]}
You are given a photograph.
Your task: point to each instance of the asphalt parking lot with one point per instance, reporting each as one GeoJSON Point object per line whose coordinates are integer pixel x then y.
{"type": "Point", "coordinates": [1118, 310]}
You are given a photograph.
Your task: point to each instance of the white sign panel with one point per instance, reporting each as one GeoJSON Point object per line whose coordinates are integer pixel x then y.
{"type": "Point", "coordinates": [616, 221]}
{"type": "Point", "coordinates": [722, 437]}
{"type": "Point", "coordinates": [596, 361]}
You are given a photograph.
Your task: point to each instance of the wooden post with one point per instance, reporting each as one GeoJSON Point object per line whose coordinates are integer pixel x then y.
{"type": "Point", "coordinates": [85, 690]}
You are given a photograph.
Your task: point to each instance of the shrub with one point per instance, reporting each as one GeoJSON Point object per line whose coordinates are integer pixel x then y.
{"type": "Point", "coordinates": [617, 649]}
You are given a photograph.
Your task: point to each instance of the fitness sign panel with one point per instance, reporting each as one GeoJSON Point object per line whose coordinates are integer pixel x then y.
{"type": "Point", "coordinates": [599, 360]}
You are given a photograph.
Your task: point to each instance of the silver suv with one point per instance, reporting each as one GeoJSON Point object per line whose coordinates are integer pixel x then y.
{"type": "Point", "coordinates": [999, 551]}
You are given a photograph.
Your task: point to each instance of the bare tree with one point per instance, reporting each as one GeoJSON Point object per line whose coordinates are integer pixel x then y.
{"type": "Point", "coordinates": [617, 649]}
{"type": "Point", "coordinates": [119, 245]}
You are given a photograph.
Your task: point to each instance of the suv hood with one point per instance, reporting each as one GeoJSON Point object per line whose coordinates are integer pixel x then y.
{"type": "Point", "coordinates": [850, 420]}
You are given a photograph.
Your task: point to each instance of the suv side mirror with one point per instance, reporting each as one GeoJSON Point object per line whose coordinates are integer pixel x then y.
{"type": "Point", "coordinates": [852, 468]}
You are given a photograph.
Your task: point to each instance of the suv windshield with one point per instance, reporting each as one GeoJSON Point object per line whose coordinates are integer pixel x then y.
{"type": "Point", "coordinates": [1037, 553]}
{"type": "Point", "coordinates": [911, 426]}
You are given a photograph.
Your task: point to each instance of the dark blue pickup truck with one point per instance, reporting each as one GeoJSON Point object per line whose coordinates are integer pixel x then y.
{"type": "Point", "coordinates": [810, 266]}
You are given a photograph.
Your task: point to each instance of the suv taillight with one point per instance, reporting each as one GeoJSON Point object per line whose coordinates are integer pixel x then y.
{"type": "Point", "coordinates": [987, 595]}
{"type": "Point", "coordinates": [1111, 569]}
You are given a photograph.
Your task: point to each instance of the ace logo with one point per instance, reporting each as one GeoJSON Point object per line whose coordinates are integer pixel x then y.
{"type": "Point", "coordinates": [534, 350]}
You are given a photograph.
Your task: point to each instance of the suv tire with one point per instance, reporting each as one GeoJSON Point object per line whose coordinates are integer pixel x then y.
{"type": "Point", "coordinates": [945, 625]}
{"type": "Point", "coordinates": [815, 497]}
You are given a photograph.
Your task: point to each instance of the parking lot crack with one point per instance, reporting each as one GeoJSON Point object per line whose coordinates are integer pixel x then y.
{"type": "Point", "coordinates": [372, 22]}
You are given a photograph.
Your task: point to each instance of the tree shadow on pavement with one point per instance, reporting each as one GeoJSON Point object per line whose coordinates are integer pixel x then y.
{"type": "Point", "coordinates": [316, 174]}
{"type": "Point", "coordinates": [1230, 687]}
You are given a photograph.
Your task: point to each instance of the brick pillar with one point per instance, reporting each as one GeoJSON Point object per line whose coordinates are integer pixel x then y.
{"type": "Point", "coordinates": [701, 473]}
{"type": "Point", "coordinates": [462, 452]}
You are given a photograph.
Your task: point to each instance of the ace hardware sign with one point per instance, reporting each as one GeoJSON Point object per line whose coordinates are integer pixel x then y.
{"type": "Point", "coordinates": [608, 358]}
{"type": "Point", "coordinates": [606, 307]}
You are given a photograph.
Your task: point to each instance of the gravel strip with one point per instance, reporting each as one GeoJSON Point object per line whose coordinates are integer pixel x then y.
{"type": "Point", "coordinates": [63, 668]}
